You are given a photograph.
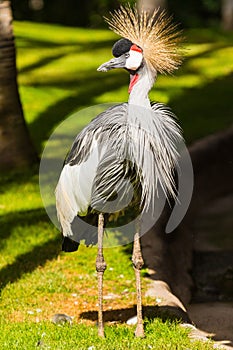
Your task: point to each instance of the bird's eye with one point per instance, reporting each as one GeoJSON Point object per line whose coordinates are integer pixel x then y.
{"type": "Point", "coordinates": [127, 55]}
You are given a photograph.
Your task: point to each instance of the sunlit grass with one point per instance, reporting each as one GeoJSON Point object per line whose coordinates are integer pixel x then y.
{"type": "Point", "coordinates": [47, 336]}
{"type": "Point", "coordinates": [57, 76]}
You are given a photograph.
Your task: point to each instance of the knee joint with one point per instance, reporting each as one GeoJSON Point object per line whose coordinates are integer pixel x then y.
{"type": "Point", "coordinates": [100, 264]}
{"type": "Point", "coordinates": [138, 262]}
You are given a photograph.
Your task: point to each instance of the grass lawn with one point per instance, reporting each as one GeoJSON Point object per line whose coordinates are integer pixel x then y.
{"type": "Point", "coordinates": [57, 76]}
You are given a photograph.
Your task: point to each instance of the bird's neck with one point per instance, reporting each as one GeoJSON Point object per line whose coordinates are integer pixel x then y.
{"type": "Point", "coordinates": [140, 90]}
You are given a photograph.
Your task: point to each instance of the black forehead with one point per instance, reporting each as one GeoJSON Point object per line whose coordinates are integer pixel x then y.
{"type": "Point", "coordinates": [121, 46]}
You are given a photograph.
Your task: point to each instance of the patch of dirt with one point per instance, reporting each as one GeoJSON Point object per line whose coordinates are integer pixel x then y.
{"type": "Point", "coordinates": [116, 308]}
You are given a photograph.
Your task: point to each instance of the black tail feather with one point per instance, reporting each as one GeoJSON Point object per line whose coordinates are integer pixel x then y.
{"type": "Point", "coordinates": [68, 245]}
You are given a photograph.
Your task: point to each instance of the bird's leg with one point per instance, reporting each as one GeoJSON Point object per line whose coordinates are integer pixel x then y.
{"type": "Point", "coordinates": [100, 268]}
{"type": "Point", "coordinates": [137, 264]}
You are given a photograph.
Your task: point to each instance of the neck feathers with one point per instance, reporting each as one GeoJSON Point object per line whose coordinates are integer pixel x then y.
{"type": "Point", "coordinates": [139, 94]}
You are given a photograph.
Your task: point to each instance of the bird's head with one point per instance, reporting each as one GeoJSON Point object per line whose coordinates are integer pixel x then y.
{"type": "Point", "coordinates": [128, 56]}
{"type": "Point", "coordinates": [151, 41]}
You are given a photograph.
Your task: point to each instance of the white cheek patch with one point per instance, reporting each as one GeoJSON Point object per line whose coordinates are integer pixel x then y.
{"type": "Point", "coordinates": [134, 61]}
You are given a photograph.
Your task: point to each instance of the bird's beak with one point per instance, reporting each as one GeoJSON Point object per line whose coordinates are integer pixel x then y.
{"type": "Point", "coordinates": [118, 62]}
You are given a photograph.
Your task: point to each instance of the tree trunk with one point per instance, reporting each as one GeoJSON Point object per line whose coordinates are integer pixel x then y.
{"type": "Point", "coordinates": [227, 14]}
{"type": "Point", "coordinates": [16, 149]}
{"type": "Point", "coordinates": [151, 5]}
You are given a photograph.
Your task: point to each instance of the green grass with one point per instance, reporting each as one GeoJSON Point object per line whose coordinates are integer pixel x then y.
{"type": "Point", "coordinates": [57, 76]}
{"type": "Point", "coordinates": [161, 336]}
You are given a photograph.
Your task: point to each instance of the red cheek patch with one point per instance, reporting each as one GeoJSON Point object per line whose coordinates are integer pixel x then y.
{"type": "Point", "coordinates": [136, 48]}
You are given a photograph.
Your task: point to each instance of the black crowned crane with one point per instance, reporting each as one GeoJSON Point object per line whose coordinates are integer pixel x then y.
{"type": "Point", "coordinates": [134, 141]}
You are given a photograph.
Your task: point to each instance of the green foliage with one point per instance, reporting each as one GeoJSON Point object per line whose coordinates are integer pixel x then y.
{"type": "Point", "coordinates": [67, 12]}
{"type": "Point", "coordinates": [196, 13]}
{"type": "Point", "coordinates": [212, 6]}
{"type": "Point", "coordinates": [89, 13]}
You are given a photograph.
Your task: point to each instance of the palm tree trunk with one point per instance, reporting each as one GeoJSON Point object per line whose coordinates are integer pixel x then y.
{"type": "Point", "coordinates": [227, 14]}
{"type": "Point", "coordinates": [151, 5]}
{"type": "Point", "coordinates": [16, 149]}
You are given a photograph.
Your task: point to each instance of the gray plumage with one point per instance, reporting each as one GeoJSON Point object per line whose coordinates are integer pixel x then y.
{"type": "Point", "coordinates": [121, 139]}
{"type": "Point", "coordinates": [124, 155]}
{"type": "Point", "coordinates": [122, 159]}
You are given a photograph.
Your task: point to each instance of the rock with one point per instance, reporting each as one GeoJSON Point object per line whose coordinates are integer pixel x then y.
{"type": "Point", "coordinates": [61, 319]}
{"type": "Point", "coordinates": [132, 321]}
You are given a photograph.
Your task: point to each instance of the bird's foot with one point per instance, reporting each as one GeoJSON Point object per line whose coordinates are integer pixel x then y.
{"type": "Point", "coordinates": [101, 332]}
{"type": "Point", "coordinates": [139, 333]}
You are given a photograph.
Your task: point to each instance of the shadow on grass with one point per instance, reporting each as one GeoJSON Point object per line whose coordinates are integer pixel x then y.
{"type": "Point", "coordinates": [80, 46]}
{"type": "Point", "coordinates": [22, 176]}
{"type": "Point", "coordinates": [74, 48]}
{"type": "Point", "coordinates": [37, 255]}
{"type": "Point", "coordinates": [214, 48]}
{"type": "Point", "coordinates": [28, 262]}
{"type": "Point", "coordinates": [208, 35]}
{"type": "Point", "coordinates": [22, 219]}
{"type": "Point", "coordinates": [209, 106]}
{"type": "Point", "coordinates": [149, 312]}
{"type": "Point", "coordinates": [42, 62]}
{"type": "Point", "coordinates": [90, 85]}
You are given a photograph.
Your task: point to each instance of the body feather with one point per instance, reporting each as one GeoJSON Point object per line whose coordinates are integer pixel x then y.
{"type": "Point", "coordinates": [124, 150]}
